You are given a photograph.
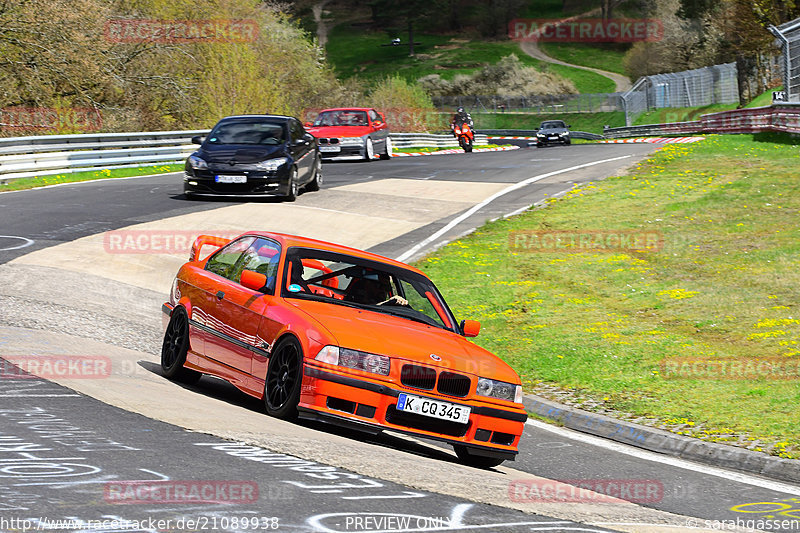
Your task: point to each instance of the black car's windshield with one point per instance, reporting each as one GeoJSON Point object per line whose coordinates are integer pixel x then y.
{"type": "Point", "coordinates": [346, 280]}
{"type": "Point", "coordinates": [251, 132]}
{"type": "Point", "coordinates": [342, 118]}
{"type": "Point", "coordinates": [553, 125]}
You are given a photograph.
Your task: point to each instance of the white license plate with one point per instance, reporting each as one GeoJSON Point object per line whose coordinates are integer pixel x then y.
{"type": "Point", "coordinates": [230, 179]}
{"type": "Point", "coordinates": [433, 408]}
{"type": "Point", "coordinates": [553, 137]}
{"type": "Point", "coordinates": [333, 149]}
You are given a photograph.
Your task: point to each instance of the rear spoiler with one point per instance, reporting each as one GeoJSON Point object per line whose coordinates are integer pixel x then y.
{"type": "Point", "coordinates": [206, 240]}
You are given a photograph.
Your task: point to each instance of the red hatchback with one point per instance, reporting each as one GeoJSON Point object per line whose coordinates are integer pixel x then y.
{"type": "Point", "coordinates": [353, 131]}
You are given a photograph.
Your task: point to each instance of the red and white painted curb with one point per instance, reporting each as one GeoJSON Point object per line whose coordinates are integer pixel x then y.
{"type": "Point", "coordinates": [454, 151]}
{"type": "Point", "coordinates": [657, 140]}
{"type": "Point", "coordinates": [509, 137]}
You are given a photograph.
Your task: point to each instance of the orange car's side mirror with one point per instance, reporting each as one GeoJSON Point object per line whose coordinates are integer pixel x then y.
{"type": "Point", "coordinates": [471, 328]}
{"type": "Point", "coordinates": [253, 280]}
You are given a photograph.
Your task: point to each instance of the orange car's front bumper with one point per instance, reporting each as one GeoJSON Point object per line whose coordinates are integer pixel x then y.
{"type": "Point", "coordinates": [369, 405]}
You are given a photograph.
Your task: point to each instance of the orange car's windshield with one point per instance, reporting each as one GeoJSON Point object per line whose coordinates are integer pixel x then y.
{"type": "Point", "coordinates": [355, 282]}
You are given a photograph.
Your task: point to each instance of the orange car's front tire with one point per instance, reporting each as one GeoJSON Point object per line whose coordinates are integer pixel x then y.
{"type": "Point", "coordinates": [175, 347]}
{"type": "Point", "coordinates": [284, 378]}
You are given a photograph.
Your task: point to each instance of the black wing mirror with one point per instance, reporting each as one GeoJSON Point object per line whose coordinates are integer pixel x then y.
{"type": "Point", "coordinates": [197, 139]}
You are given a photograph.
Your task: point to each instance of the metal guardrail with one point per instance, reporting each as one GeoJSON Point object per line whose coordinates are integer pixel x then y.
{"type": "Point", "coordinates": [433, 140]}
{"type": "Point", "coordinates": [645, 130]}
{"type": "Point", "coordinates": [532, 133]}
{"type": "Point", "coordinates": [46, 155]}
{"type": "Point", "coordinates": [778, 117]}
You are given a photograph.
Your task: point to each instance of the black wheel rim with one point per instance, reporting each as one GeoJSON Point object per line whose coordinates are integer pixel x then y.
{"type": "Point", "coordinates": [175, 340]}
{"type": "Point", "coordinates": [282, 378]}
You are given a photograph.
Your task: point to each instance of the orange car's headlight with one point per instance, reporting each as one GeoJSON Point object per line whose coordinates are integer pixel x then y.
{"type": "Point", "coordinates": [369, 362]}
{"type": "Point", "coordinates": [499, 389]}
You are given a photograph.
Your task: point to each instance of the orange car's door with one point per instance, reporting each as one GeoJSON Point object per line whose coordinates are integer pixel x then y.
{"type": "Point", "coordinates": [234, 312]}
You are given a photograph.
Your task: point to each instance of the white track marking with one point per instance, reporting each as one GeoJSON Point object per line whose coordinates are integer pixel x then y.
{"type": "Point", "coordinates": [471, 211]}
{"type": "Point", "coordinates": [667, 460]}
{"type": "Point", "coordinates": [26, 242]}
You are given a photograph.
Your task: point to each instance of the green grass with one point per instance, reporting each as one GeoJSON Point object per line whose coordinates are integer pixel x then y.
{"type": "Point", "coordinates": [726, 285]}
{"type": "Point", "coordinates": [428, 149]}
{"type": "Point", "coordinates": [359, 53]}
{"type": "Point", "coordinates": [41, 181]}
{"type": "Point", "coordinates": [590, 122]}
{"type": "Point", "coordinates": [764, 98]}
{"type": "Point", "coordinates": [605, 56]}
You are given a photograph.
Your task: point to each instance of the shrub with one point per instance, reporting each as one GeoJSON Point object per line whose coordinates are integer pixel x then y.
{"type": "Point", "coordinates": [509, 77]}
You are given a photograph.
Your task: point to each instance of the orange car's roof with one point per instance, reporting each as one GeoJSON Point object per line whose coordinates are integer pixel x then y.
{"type": "Point", "coordinates": [297, 240]}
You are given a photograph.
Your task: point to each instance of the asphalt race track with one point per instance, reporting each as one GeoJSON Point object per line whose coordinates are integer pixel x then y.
{"type": "Point", "coordinates": [85, 268]}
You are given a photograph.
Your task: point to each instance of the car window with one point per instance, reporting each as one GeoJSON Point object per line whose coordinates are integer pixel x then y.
{"type": "Point", "coordinates": [296, 131]}
{"type": "Point", "coordinates": [261, 256]}
{"type": "Point", "coordinates": [345, 280]}
{"type": "Point", "coordinates": [342, 117]}
{"type": "Point", "coordinates": [249, 132]}
{"type": "Point", "coordinates": [552, 125]}
{"type": "Point", "coordinates": [223, 261]}
{"type": "Point", "coordinates": [373, 116]}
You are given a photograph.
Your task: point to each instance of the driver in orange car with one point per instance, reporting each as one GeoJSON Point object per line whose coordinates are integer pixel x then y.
{"type": "Point", "coordinates": [371, 291]}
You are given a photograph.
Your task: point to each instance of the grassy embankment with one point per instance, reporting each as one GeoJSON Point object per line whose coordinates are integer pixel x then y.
{"type": "Point", "coordinates": [725, 286]}
{"type": "Point", "coordinates": [355, 52]}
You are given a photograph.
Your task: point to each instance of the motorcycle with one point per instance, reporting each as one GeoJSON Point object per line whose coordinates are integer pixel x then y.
{"type": "Point", "coordinates": [465, 135]}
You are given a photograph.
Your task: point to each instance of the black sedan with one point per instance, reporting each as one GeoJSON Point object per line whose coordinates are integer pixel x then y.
{"type": "Point", "coordinates": [254, 155]}
{"type": "Point", "coordinates": [553, 132]}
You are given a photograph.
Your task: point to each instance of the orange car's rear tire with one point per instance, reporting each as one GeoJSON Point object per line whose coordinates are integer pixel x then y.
{"type": "Point", "coordinates": [175, 347]}
{"type": "Point", "coordinates": [478, 461]}
{"type": "Point", "coordinates": [284, 377]}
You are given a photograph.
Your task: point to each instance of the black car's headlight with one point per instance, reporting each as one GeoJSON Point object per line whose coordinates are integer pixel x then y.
{"type": "Point", "coordinates": [197, 163]}
{"type": "Point", "coordinates": [369, 362]}
{"type": "Point", "coordinates": [271, 165]}
{"type": "Point", "coordinates": [564, 133]}
{"type": "Point", "coordinates": [541, 135]}
{"type": "Point", "coordinates": [499, 389]}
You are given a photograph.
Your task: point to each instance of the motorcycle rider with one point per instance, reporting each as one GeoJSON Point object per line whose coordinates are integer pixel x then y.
{"type": "Point", "coordinates": [461, 117]}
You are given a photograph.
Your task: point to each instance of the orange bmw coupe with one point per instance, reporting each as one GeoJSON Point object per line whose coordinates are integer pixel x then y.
{"type": "Point", "coordinates": [327, 332]}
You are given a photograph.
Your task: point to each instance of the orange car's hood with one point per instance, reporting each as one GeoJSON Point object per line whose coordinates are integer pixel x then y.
{"type": "Point", "coordinates": [339, 131]}
{"type": "Point", "coordinates": [376, 332]}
